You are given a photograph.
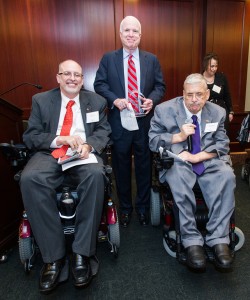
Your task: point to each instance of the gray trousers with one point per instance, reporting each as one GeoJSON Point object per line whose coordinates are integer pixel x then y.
{"type": "Point", "coordinates": [217, 184]}
{"type": "Point", "coordinates": [39, 180]}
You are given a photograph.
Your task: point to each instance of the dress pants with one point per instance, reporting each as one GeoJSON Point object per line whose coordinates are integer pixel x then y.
{"type": "Point", "coordinates": [136, 143]}
{"type": "Point", "coordinates": [39, 180]}
{"type": "Point", "coordinates": [217, 184]}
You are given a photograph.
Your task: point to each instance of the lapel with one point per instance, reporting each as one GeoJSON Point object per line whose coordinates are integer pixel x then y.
{"type": "Point", "coordinates": [143, 69]}
{"type": "Point", "coordinates": [55, 108]}
{"type": "Point", "coordinates": [206, 117]}
{"type": "Point", "coordinates": [85, 108]}
{"type": "Point", "coordinates": [119, 67]}
{"type": "Point", "coordinates": [181, 113]}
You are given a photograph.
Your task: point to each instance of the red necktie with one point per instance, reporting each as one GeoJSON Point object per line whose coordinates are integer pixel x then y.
{"type": "Point", "coordinates": [67, 124]}
{"type": "Point", "coordinates": [132, 84]}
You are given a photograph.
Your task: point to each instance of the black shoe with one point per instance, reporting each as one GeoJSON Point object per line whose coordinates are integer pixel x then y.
{"type": "Point", "coordinates": [196, 259]}
{"type": "Point", "coordinates": [51, 275]}
{"type": "Point", "coordinates": [81, 270]}
{"type": "Point", "coordinates": [143, 219]}
{"type": "Point", "coordinates": [222, 256]}
{"type": "Point", "coordinates": [125, 219]}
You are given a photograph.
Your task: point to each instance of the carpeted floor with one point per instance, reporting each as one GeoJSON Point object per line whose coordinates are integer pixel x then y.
{"type": "Point", "coordinates": [143, 269]}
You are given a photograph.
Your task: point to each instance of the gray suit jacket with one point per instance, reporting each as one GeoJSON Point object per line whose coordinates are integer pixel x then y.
{"type": "Point", "coordinates": [44, 118]}
{"type": "Point", "coordinates": [169, 118]}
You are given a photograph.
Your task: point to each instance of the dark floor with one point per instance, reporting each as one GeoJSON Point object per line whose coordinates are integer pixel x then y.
{"type": "Point", "coordinates": [143, 269]}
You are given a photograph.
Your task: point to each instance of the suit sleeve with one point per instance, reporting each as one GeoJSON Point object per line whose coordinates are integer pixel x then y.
{"type": "Point", "coordinates": [102, 79]}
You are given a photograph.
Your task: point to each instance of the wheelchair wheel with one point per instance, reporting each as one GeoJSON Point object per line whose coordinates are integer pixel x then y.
{"type": "Point", "coordinates": [240, 238]}
{"type": "Point", "coordinates": [114, 233]}
{"type": "Point", "coordinates": [243, 172]}
{"type": "Point", "coordinates": [155, 208]}
{"type": "Point", "coordinates": [26, 252]}
{"type": "Point", "coordinates": [169, 243]}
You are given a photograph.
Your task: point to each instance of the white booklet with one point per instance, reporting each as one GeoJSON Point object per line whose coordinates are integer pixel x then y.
{"type": "Point", "coordinates": [91, 160]}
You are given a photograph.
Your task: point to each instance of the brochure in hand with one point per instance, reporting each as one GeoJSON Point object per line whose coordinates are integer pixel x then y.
{"type": "Point", "coordinates": [67, 158]}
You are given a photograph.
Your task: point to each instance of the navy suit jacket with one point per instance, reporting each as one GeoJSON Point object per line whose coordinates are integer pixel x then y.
{"type": "Point", "coordinates": [110, 84]}
{"type": "Point", "coordinates": [44, 119]}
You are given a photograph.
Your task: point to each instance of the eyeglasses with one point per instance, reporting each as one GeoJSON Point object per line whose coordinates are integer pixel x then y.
{"type": "Point", "coordinates": [68, 74]}
{"type": "Point", "coordinates": [198, 95]}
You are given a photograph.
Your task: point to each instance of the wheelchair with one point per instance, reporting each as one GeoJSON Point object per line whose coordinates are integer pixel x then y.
{"type": "Point", "coordinates": [245, 171]}
{"type": "Point", "coordinates": [67, 201]}
{"type": "Point", "coordinates": [162, 206]}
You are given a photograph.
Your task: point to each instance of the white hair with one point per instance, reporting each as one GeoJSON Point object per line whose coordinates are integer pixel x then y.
{"type": "Point", "coordinates": [132, 19]}
{"type": "Point", "coordinates": [195, 78]}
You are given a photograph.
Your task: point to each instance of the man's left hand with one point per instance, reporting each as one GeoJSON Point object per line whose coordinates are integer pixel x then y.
{"type": "Point", "coordinates": [147, 105]}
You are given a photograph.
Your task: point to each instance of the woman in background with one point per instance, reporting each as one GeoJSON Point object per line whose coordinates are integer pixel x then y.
{"type": "Point", "coordinates": [218, 86]}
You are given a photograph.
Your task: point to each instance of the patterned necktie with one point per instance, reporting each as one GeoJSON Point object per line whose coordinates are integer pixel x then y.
{"type": "Point", "coordinates": [67, 124]}
{"type": "Point", "coordinates": [196, 147]}
{"type": "Point", "coordinates": [132, 84]}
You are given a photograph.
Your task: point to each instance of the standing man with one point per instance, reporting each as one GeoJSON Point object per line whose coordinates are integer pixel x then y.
{"type": "Point", "coordinates": [208, 162]}
{"type": "Point", "coordinates": [121, 73]}
{"type": "Point", "coordinates": [62, 119]}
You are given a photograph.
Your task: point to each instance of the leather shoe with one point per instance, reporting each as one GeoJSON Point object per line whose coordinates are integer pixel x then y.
{"type": "Point", "coordinates": [143, 219]}
{"type": "Point", "coordinates": [222, 256]}
{"type": "Point", "coordinates": [50, 276]}
{"type": "Point", "coordinates": [81, 270]}
{"type": "Point", "coordinates": [125, 219]}
{"type": "Point", "coordinates": [196, 259]}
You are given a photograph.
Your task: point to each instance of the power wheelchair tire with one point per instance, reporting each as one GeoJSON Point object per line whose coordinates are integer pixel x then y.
{"type": "Point", "coordinates": [243, 172]}
{"type": "Point", "coordinates": [169, 243]}
{"type": "Point", "coordinates": [114, 235]}
{"type": "Point", "coordinates": [26, 252]}
{"type": "Point", "coordinates": [240, 238]}
{"type": "Point", "coordinates": [155, 208]}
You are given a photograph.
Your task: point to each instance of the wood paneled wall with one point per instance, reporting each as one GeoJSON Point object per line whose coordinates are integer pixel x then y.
{"type": "Point", "coordinates": [36, 35]}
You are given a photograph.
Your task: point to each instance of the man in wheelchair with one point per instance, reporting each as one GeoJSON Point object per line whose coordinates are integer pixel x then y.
{"type": "Point", "coordinates": [63, 119]}
{"type": "Point", "coordinates": [192, 130]}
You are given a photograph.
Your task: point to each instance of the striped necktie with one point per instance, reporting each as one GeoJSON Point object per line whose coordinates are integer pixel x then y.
{"type": "Point", "coordinates": [132, 84]}
{"type": "Point", "coordinates": [67, 124]}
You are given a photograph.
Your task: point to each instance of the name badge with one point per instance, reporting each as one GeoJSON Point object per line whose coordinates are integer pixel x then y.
{"type": "Point", "coordinates": [92, 117]}
{"type": "Point", "coordinates": [216, 88]}
{"type": "Point", "coordinates": [211, 127]}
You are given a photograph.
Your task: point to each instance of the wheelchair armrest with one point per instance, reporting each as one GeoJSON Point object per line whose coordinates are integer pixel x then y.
{"type": "Point", "coordinates": [18, 154]}
{"type": "Point", "coordinates": [163, 161]}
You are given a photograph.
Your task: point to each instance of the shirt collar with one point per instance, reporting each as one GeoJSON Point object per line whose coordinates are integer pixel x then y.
{"type": "Point", "coordinates": [65, 100]}
{"type": "Point", "coordinates": [135, 53]}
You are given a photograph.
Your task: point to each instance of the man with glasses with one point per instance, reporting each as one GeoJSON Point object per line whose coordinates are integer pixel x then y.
{"type": "Point", "coordinates": [207, 162]}
{"type": "Point", "coordinates": [63, 120]}
{"type": "Point", "coordinates": [122, 76]}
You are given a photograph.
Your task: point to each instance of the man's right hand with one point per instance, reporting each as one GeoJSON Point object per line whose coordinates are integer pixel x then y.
{"type": "Point", "coordinates": [74, 141]}
{"type": "Point", "coordinates": [121, 104]}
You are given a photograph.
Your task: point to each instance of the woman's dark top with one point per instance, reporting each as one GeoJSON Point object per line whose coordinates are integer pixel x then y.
{"type": "Point", "coordinates": [220, 94]}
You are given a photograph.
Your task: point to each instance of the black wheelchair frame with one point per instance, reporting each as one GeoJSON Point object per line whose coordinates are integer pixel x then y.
{"type": "Point", "coordinates": [109, 230]}
{"type": "Point", "coordinates": [162, 204]}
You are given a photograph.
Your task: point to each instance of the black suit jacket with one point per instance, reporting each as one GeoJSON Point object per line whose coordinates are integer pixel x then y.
{"type": "Point", "coordinates": [110, 84]}
{"type": "Point", "coordinates": [44, 118]}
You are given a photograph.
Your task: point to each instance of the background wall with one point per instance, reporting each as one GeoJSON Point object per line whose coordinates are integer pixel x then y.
{"type": "Point", "coordinates": [35, 35]}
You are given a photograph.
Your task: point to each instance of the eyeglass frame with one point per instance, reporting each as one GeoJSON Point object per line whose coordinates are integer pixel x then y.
{"type": "Point", "coordinates": [76, 74]}
{"type": "Point", "coordinates": [198, 95]}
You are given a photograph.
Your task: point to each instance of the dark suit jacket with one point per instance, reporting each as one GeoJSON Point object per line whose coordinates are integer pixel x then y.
{"type": "Point", "coordinates": [110, 83]}
{"type": "Point", "coordinates": [44, 118]}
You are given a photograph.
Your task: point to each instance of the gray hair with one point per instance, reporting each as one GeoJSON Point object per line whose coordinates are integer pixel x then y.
{"type": "Point", "coordinates": [195, 78]}
{"type": "Point", "coordinates": [131, 18]}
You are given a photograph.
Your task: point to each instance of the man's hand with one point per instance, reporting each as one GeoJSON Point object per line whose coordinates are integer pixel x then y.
{"type": "Point", "coordinates": [147, 104]}
{"type": "Point", "coordinates": [121, 104]}
{"type": "Point", "coordinates": [73, 141]}
{"type": "Point", "coordinates": [84, 151]}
